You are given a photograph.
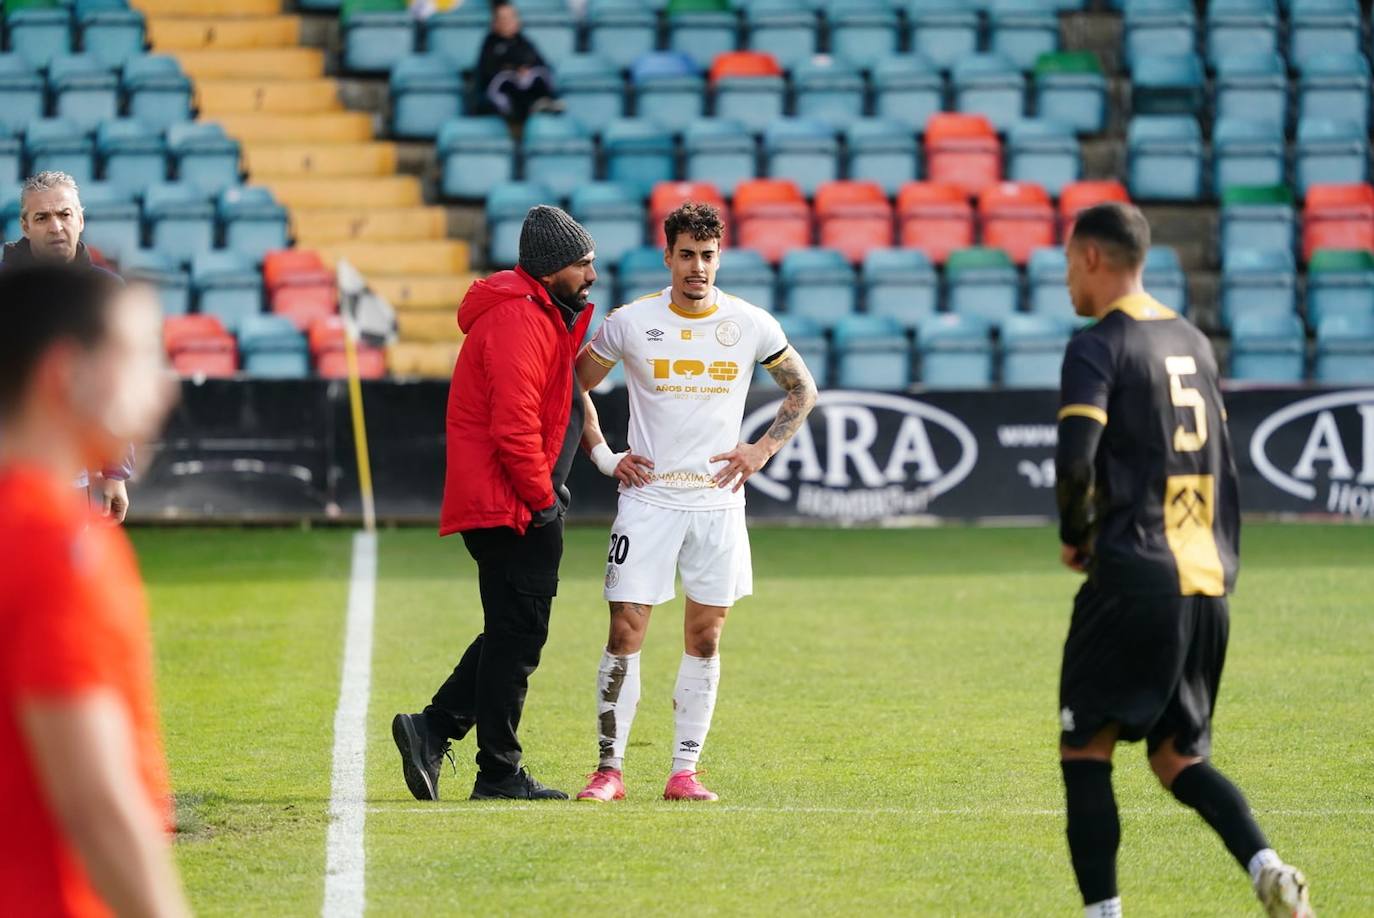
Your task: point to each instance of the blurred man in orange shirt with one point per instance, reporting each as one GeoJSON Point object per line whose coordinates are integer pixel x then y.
{"type": "Point", "coordinates": [82, 775]}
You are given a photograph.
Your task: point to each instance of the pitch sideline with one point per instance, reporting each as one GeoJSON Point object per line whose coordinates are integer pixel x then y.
{"type": "Point", "coordinates": [345, 858]}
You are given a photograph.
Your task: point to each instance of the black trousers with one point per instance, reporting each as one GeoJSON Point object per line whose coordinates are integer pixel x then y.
{"type": "Point", "coordinates": [518, 578]}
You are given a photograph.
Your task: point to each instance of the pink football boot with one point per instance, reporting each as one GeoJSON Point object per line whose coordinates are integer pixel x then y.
{"type": "Point", "coordinates": [683, 785]}
{"type": "Point", "coordinates": [604, 787]}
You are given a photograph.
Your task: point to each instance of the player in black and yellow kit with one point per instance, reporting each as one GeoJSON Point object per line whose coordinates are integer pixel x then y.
{"type": "Point", "coordinates": [1149, 510]}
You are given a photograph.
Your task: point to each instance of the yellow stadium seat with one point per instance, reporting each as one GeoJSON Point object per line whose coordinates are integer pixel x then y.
{"type": "Point", "coordinates": [176, 34]}
{"type": "Point", "coordinates": [429, 361]}
{"type": "Point", "coordinates": [322, 226]}
{"type": "Point", "coordinates": [281, 63]}
{"type": "Point", "coordinates": [270, 160]}
{"type": "Point", "coordinates": [232, 97]}
{"type": "Point", "coordinates": [207, 7]}
{"type": "Point", "coordinates": [427, 325]}
{"type": "Point", "coordinates": [328, 127]}
{"type": "Point", "coordinates": [380, 191]}
{"type": "Point", "coordinates": [423, 292]}
{"type": "Point", "coordinates": [435, 256]}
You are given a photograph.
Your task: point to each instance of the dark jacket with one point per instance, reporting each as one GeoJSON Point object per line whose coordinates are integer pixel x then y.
{"type": "Point", "coordinates": [500, 54]}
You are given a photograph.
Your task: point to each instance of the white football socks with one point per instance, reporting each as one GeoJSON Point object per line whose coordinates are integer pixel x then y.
{"type": "Point", "coordinates": [1265, 857]}
{"type": "Point", "coordinates": [694, 700]}
{"type": "Point", "coordinates": [1107, 908]}
{"type": "Point", "coordinates": [617, 697]}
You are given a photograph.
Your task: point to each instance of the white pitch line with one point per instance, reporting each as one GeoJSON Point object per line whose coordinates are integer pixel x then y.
{"type": "Point", "coordinates": [345, 860]}
{"type": "Point", "coordinates": [553, 809]}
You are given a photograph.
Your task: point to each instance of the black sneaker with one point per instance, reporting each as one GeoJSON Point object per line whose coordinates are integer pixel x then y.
{"type": "Point", "coordinates": [519, 786]}
{"type": "Point", "coordinates": [422, 753]}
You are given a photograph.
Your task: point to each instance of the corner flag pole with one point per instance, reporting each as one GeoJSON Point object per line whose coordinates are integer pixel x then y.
{"type": "Point", "coordinates": [355, 402]}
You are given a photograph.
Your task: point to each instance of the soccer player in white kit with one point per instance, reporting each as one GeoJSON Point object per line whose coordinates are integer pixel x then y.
{"type": "Point", "coordinates": [689, 353]}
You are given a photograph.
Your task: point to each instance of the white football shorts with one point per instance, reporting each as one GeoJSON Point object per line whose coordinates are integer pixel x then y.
{"type": "Point", "coordinates": [651, 544]}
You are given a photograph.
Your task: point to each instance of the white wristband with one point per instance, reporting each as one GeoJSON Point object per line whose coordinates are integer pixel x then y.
{"type": "Point", "coordinates": [605, 460]}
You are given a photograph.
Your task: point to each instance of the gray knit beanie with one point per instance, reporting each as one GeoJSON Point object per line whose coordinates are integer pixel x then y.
{"type": "Point", "coordinates": [551, 240]}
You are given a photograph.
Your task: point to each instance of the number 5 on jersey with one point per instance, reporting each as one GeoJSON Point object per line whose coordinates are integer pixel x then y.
{"type": "Point", "coordinates": [1186, 441]}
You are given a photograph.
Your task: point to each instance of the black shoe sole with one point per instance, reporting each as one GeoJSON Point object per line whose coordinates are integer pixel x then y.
{"type": "Point", "coordinates": [484, 795]}
{"type": "Point", "coordinates": [408, 742]}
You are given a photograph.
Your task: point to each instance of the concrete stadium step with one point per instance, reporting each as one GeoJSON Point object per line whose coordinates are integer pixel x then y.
{"type": "Point", "coordinates": [273, 97]}
{"type": "Point", "coordinates": [252, 64]}
{"type": "Point", "coordinates": [169, 33]}
{"type": "Point", "coordinates": [434, 292]}
{"type": "Point", "coordinates": [298, 160]}
{"type": "Point", "coordinates": [426, 360]}
{"type": "Point", "coordinates": [327, 127]}
{"type": "Point", "coordinates": [377, 259]}
{"type": "Point", "coordinates": [207, 7]}
{"type": "Point", "coordinates": [381, 191]}
{"type": "Point", "coordinates": [325, 226]}
{"type": "Point", "coordinates": [428, 325]}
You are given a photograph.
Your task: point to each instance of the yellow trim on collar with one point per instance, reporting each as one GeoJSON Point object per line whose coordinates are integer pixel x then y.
{"type": "Point", "coordinates": [1142, 307]}
{"type": "Point", "coordinates": [678, 310]}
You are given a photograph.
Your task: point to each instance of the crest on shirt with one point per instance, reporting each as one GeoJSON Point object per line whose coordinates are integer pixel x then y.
{"type": "Point", "coordinates": [728, 333]}
{"type": "Point", "coordinates": [612, 577]}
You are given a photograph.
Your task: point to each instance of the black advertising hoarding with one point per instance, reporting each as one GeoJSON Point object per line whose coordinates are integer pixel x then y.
{"type": "Point", "coordinates": [275, 451]}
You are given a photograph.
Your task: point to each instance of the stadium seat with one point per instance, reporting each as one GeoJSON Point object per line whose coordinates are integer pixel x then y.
{"type": "Point", "coordinates": [11, 158]}
{"type": "Point", "coordinates": [1241, 27]}
{"type": "Point", "coordinates": [640, 272]}
{"type": "Point", "coordinates": [748, 87]}
{"type": "Point", "coordinates": [1166, 85]}
{"type": "Point", "coordinates": [60, 144]}
{"type": "Point", "coordinates": [1323, 27]}
{"type": "Point", "coordinates": [1017, 218]}
{"type": "Point", "coordinates": [720, 151]}
{"type": "Point", "coordinates": [132, 154]}
{"type": "Point", "coordinates": [1338, 217]}
{"type": "Point", "coordinates": [991, 85]}
{"type": "Point", "coordinates": [934, 218]}
{"type": "Point", "coordinates": [475, 155]}
{"type": "Point", "coordinates": [907, 88]}
{"type": "Point", "coordinates": [1033, 350]}
{"type": "Point", "coordinates": [882, 150]}
{"type": "Point", "coordinates": [591, 88]}
{"type": "Point", "coordinates": [426, 91]}
{"type": "Point", "coordinates": [746, 274]}
{"type": "Point", "coordinates": [254, 223]}
{"type": "Point", "coordinates": [23, 89]}
{"type": "Point", "coordinates": [1257, 281]}
{"type": "Point", "coordinates": [1267, 348]}
{"type": "Point", "coordinates": [1075, 196]}
{"type": "Point", "coordinates": [620, 31]}
{"type": "Point", "coordinates": [828, 90]}
{"type": "Point", "coordinates": [199, 345]}
{"type": "Point", "coordinates": [783, 28]}
{"type": "Point", "coordinates": [861, 30]}
{"type": "Point", "coordinates": [805, 151]}
{"type": "Point", "coordinates": [1345, 350]}
{"type": "Point", "coordinates": [612, 214]}
{"type": "Point", "coordinates": [227, 285]}
{"type": "Point", "coordinates": [551, 30]}
{"type": "Point", "coordinates": [944, 31]}
{"type": "Point", "coordinates": [638, 153]}
{"type": "Point", "coordinates": [1247, 152]}
{"type": "Point", "coordinates": [771, 217]}
{"type": "Point", "coordinates": [111, 33]}
{"type": "Point", "coordinates": [506, 207]}
{"type": "Point", "coordinates": [294, 268]}
{"type": "Point", "coordinates": [1023, 30]}
{"type": "Point", "coordinates": [1339, 282]}
{"type": "Point", "coordinates": [669, 89]}
{"type": "Point", "coordinates": [956, 352]}
{"type": "Point", "coordinates": [809, 341]}
{"type": "Point", "coordinates": [305, 305]}
{"type": "Point", "coordinates": [458, 34]}
{"type": "Point", "coordinates": [981, 282]}
{"type": "Point", "coordinates": [112, 219]}
{"type": "Point", "coordinates": [1258, 217]}
{"type": "Point", "coordinates": [669, 196]}
{"type": "Point", "coordinates": [871, 352]}
{"type": "Point", "coordinates": [203, 155]}
{"type": "Point", "coordinates": [170, 279]}
{"type": "Point", "coordinates": [1164, 278]}
{"type": "Point", "coordinates": [273, 348]}
{"type": "Point", "coordinates": [818, 284]}
{"type": "Point", "coordinates": [558, 153]}
{"type": "Point", "coordinates": [9, 212]}
{"type": "Point", "coordinates": [1252, 87]}
{"type": "Point", "coordinates": [853, 217]}
{"type": "Point", "coordinates": [333, 364]}
{"type": "Point", "coordinates": [1158, 27]}
{"type": "Point", "coordinates": [1045, 152]}
{"type": "Point", "coordinates": [39, 35]}
{"type": "Point", "coordinates": [376, 34]}
{"type": "Point", "coordinates": [1330, 151]}
{"type": "Point", "coordinates": [159, 93]}
{"type": "Point", "coordinates": [1070, 89]}
{"type": "Point", "coordinates": [85, 90]}
{"type": "Point", "coordinates": [702, 34]}
{"type": "Point", "coordinates": [900, 284]}
{"type": "Point", "coordinates": [962, 150]}
{"type": "Point", "coordinates": [1046, 292]}
{"type": "Point", "coordinates": [1164, 158]}
{"type": "Point", "coordinates": [1335, 86]}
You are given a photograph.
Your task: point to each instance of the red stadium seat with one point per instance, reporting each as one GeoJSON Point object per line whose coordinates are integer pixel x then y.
{"type": "Point", "coordinates": [744, 64]}
{"type": "Point", "coordinates": [371, 363]}
{"type": "Point", "coordinates": [772, 217]}
{"type": "Point", "coordinates": [669, 196]}
{"type": "Point", "coordinates": [179, 332]}
{"type": "Point", "coordinates": [199, 344]}
{"type": "Point", "coordinates": [854, 217]}
{"type": "Point", "coordinates": [962, 149]}
{"type": "Point", "coordinates": [326, 334]}
{"type": "Point", "coordinates": [295, 267]}
{"type": "Point", "coordinates": [1017, 217]}
{"type": "Point", "coordinates": [1338, 217]}
{"type": "Point", "coordinates": [1077, 195]}
{"type": "Point", "coordinates": [216, 365]}
{"type": "Point", "coordinates": [303, 305]}
{"type": "Point", "coordinates": [758, 192]}
{"type": "Point", "coordinates": [935, 218]}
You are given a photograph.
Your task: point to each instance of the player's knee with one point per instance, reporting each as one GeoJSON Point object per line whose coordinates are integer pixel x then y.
{"type": "Point", "coordinates": [628, 625]}
{"type": "Point", "coordinates": [1166, 764]}
{"type": "Point", "coordinates": [703, 639]}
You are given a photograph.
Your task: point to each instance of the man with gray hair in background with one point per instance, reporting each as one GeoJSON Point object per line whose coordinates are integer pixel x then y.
{"type": "Point", "coordinates": [51, 219]}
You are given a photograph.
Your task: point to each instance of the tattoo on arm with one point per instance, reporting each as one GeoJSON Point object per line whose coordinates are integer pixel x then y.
{"type": "Point", "coordinates": [793, 376]}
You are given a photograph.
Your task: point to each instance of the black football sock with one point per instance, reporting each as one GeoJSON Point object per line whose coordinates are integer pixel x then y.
{"type": "Point", "coordinates": [1223, 806]}
{"type": "Point", "coordinates": [1094, 827]}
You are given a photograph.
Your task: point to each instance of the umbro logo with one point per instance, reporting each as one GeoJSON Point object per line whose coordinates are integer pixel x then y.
{"type": "Point", "coordinates": [655, 333]}
{"type": "Point", "coordinates": [690, 744]}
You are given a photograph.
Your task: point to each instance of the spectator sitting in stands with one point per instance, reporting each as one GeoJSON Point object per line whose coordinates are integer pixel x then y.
{"type": "Point", "coordinates": [511, 75]}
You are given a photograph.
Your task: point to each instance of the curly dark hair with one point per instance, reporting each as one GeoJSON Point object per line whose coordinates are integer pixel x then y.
{"type": "Point", "coordinates": [700, 221]}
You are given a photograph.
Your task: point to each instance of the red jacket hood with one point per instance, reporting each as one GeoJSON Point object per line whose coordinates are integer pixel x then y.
{"type": "Point", "coordinates": [489, 292]}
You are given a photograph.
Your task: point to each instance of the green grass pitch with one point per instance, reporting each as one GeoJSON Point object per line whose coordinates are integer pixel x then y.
{"type": "Point", "coordinates": [884, 741]}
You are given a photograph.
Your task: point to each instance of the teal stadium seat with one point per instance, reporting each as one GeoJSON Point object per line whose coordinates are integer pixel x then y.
{"type": "Point", "coordinates": [23, 90]}
{"type": "Point", "coordinates": [703, 34]}
{"type": "Point", "coordinates": [1242, 27]}
{"type": "Point", "coordinates": [882, 150]}
{"type": "Point", "coordinates": [1323, 27]}
{"type": "Point", "coordinates": [640, 271]}
{"type": "Point", "coordinates": [808, 339]}
{"type": "Point", "coordinates": [180, 218]}
{"type": "Point", "coordinates": [614, 216]}
{"type": "Point", "coordinates": [11, 156]}
{"type": "Point", "coordinates": [113, 224]}
{"type": "Point", "coordinates": [1330, 151]}
{"type": "Point", "coordinates": [786, 29]}
{"type": "Point", "coordinates": [85, 90]}
{"type": "Point", "coordinates": [956, 352]}
{"type": "Point", "coordinates": [989, 84]}
{"type": "Point", "coordinates": [1164, 156]}
{"type": "Point", "coordinates": [1267, 348]}
{"type": "Point", "coordinates": [981, 282]}
{"type": "Point", "coordinates": [1023, 30]}
{"type": "Point", "coordinates": [62, 145]}
{"type": "Point", "coordinates": [558, 153]}
{"type": "Point", "coordinates": [861, 30]}
{"type": "Point", "coordinates": [158, 93]}
{"type": "Point", "coordinates": [171, 281]}
{"type": "Point", "coordinates": [253, 222]}
{"type": "Point", "coordinates": [803, 150]}
{"type": "Point", "coordinates": [900, 284]}
{"type": "Point", "coordinates": [552, 31]}
{"type": "Point", "coordinates": [204, 156]}
{"type": "Point", "coordinates": [721, 151]}
{"type": "Point", "coordinates": [1046, 293]}
{"type": "Point", "coordinates": [818, 284]}
{"type": "Point", "coordinates": [591, 88]}
{"type": "Point", "coordinates": [40, 35]}
{"type": "Point", "coordinates": [1246, 152]}
{"type": "Point", "coordinates": [1167, 84]}
{"type": "Point", "coordinates": [669, 89]}
{"type": "Point", "coordinates": [1339, 282]}
{"type": "Point", "coordinates": [638, 153]}
{"type": "Point", "coordinates": [829, 90]}
{"type": "Point", "coordinates": [228, 286]}
{"type": "Point", "coordinates": [1164, 278]}
{"type": "Point", "coordinates": [746, 274]}
{"type": "Point", "coordinates": [907, 88]}
{"type": "Point", "coordinates": [377, 34]}
{"type": "Point", "coordinates": [1071, 89]}
{"type": "Point", "coordinates": [1255, 281]}
{"type": "Point", "coordinates": [1166, 27]}
{"type": "Point", "coordinates": [1033, 350]}
{"type": "Point", "coordinates": [1335, 86]}
{"type": "Point", "coordinates": [1258, 217]}
{"type": "Point", "coordinates": [1253, 87]}
{"type": "Point", "coordinates": [872, 352]}
{"type": "Point", "coordinates": [426, 91]}
{"type": "Point", "coordinates": [458, 34]}
{"type": "Point", "coordinates": [506, 207]}
{"type": "Point", "coordinates": [110, 31]}
{"type": "Point", "coordinates": [1044, 152]}
{"type": "Point", "coordinates": [475, 155]}
{"type": "Point", "coordinates": [273, 348]}
{"type": "Point", "coordinates": [943, 31]}
{"type": "Point", "coordinates": [1345, 350]}
{"type": "Point", "coordinates": [620, 30]}
{"type": "Point", "coordinates": [132, 154]}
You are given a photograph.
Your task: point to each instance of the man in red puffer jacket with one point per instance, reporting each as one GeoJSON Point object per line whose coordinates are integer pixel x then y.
{"type": "Point", "coordinates": [515, 419]}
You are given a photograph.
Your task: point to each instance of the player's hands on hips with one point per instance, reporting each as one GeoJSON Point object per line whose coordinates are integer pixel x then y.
{"type": "Point", "coordinates": [635, 471]}
{"type": "Point", "coordinates": [741, 462]}
{"type": "Point", "coordinates": [1074, 558]}
{"type": "Point", "coordinates": [114, 500]}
